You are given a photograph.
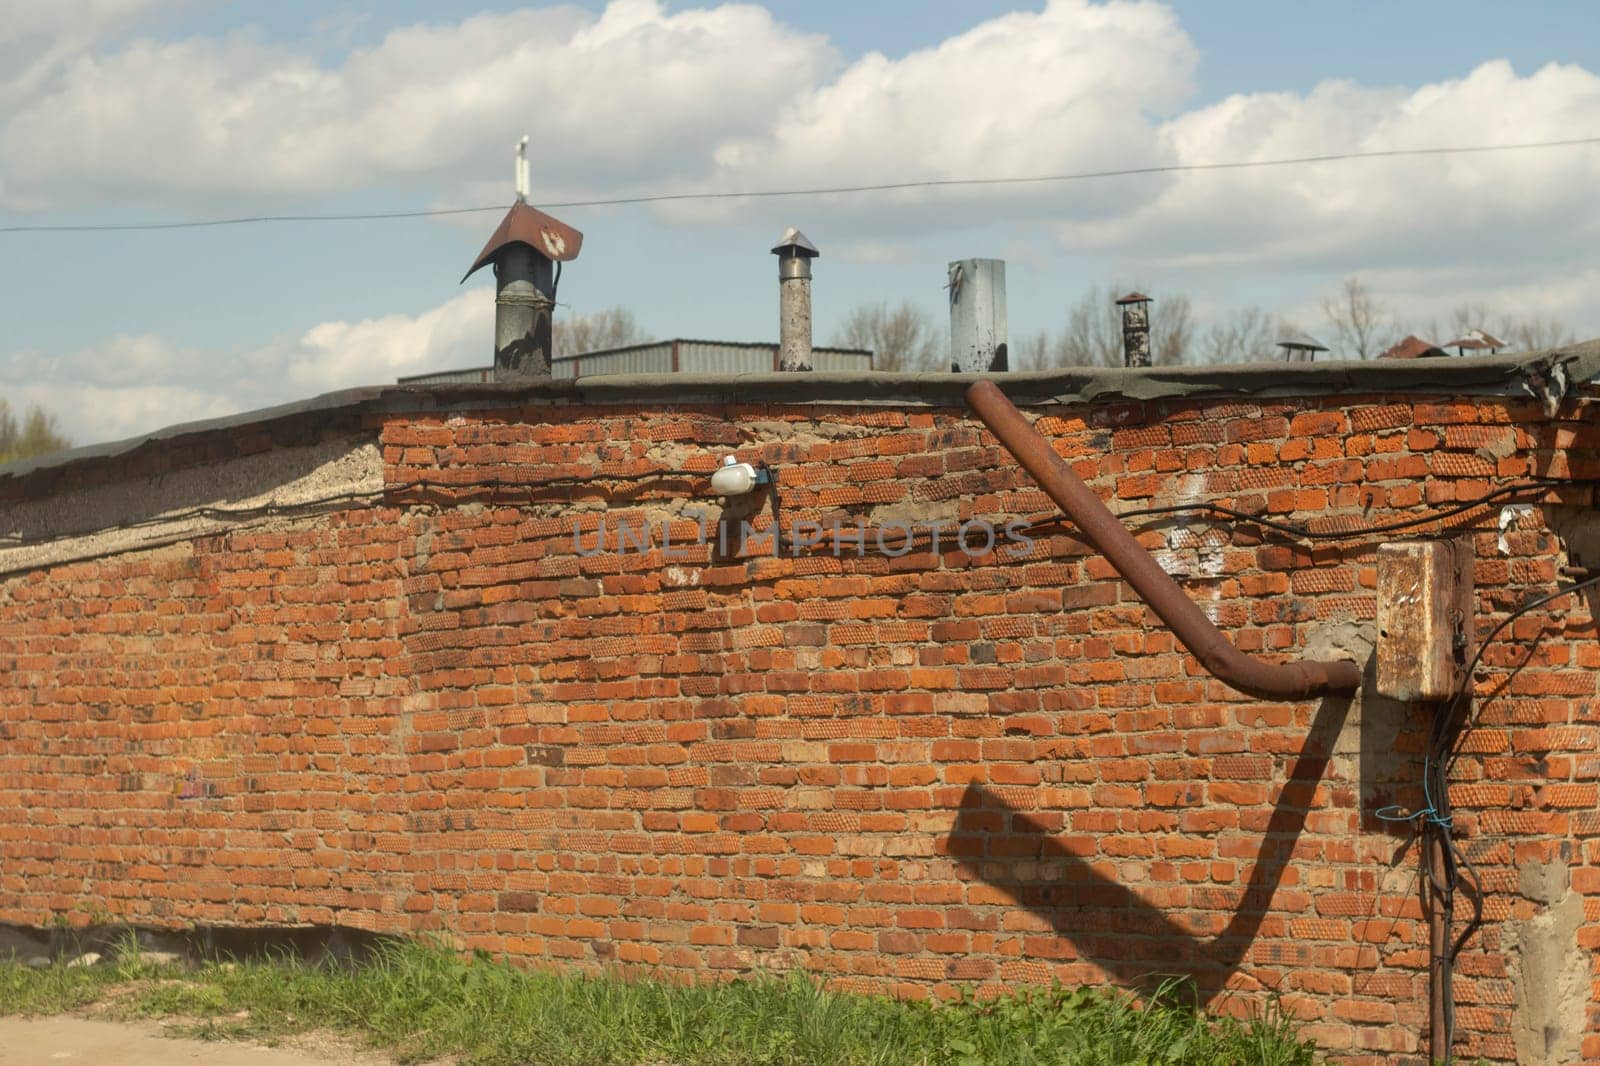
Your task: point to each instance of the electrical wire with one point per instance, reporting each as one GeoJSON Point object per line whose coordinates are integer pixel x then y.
{"type": "Point", "coordinates": [397, 491]}
{"type": "Point", "coordinates": [244, 220]}
{"type": "Point", "coordinates": [1435, 817]}
{"type": "Point", "coordinates": [1306, 532]}
{"type": "Point", "coordinates": [1444, 748]}
{"type": "Point", "coordinates": [1437, 822]}
{"type": "Point", "coordinates": [830, 190]}
{"type": "Point", "coordinates": [1464, 697]}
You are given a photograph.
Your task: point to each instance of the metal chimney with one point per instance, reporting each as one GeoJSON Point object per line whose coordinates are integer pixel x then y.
{"type": "Point", "coordinates": [794, 254]}
{"type": "Point", "coordinates": [1135, 329]}
{"type": "Point", "coordinates": [527, 250]}
{"type": "Point", "coordinates": [978, 315]}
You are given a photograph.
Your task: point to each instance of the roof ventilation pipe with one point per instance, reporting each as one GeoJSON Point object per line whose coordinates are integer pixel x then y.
{"type": "Point", "coordinates": [527, 250]}
{"type": "Point", "coordinates": [977, 315]}
{"type": "Point", "coordinates": [1252, 676]}
{"type": "Point", "coordinates": [1135, 329]}
{"type": "Point", "coordinates": [794, 254]}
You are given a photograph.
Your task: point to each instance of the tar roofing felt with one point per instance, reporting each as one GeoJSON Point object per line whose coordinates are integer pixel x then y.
{"type": "Point", "coordinates": [1546, 375]}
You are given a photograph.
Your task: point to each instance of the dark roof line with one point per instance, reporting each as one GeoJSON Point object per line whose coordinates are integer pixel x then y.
{"type": "Point", "coordinates": [1546, 375]}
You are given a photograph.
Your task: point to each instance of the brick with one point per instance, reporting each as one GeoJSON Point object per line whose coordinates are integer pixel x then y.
{"type": "Point", "coordinates": [517, 901]}
{"type": "Point", "coordinates": [433, 715]}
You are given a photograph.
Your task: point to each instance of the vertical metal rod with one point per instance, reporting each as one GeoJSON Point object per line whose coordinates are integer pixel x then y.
{"type": "Point", "coordinates": [1433, 858]}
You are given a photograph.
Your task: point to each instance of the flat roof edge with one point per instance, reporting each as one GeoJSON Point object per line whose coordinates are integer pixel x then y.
{"type": "Point", "coordinates": [1543, 375]}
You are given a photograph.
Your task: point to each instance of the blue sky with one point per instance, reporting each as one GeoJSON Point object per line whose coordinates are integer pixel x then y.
{"type": "Point", "coordinates": [157, 110]}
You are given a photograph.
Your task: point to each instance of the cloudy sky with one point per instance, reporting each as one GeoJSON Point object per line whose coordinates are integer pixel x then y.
{"type": "Point", "coordinates": [137, 111]}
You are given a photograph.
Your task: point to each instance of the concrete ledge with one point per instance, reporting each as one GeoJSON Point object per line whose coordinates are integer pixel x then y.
{"type": "Point", "coordinates": [147, 512]}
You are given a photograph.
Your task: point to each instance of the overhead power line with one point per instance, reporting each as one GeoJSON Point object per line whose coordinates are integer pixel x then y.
{"type": "Point", "coordinates": [826, 190]}
{"type": "Point", "coordinates": [243, 220]}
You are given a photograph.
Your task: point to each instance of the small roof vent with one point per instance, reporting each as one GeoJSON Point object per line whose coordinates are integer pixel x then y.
{"type": "Point", "coordinates": [1300, 348]}
{"type": "Point", "coordinates": [1476, 340]}
{"type": "Point", "coordinates": [795, 243]}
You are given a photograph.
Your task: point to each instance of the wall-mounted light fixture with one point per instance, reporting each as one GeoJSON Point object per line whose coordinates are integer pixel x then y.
{"type": "Point", "coordinates": [734, 478]}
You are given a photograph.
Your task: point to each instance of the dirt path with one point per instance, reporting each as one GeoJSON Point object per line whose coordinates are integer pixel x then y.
{"type": "Point", "coordinates": [64, 1040]}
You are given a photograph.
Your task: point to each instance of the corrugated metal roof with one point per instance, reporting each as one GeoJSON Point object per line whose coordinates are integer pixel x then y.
{"type": "Point", "coordinates": [664, 357]}
{"type": "Point", "coordinates": [440, 377]}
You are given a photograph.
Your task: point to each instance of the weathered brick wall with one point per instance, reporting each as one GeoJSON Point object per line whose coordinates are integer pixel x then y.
{"type": "Point", "coordinates": [446, 714]}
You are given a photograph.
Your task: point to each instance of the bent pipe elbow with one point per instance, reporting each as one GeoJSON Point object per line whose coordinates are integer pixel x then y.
{"type": "Point", "coordinates": [1106, 533]}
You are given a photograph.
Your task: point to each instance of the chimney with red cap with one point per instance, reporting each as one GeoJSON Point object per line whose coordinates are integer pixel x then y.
{"type": "Point", "coordinates": [527, 251]}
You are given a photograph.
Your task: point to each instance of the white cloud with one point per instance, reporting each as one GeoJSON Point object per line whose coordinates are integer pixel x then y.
{"type": "Point", "coordinates": [88, 413]}
{"type": "Point", "coordinates": [1072, 87]}
{"type": "Point", "coordinates": [640, 99]}
{"type": "Point", "coordinates": [124, 386]}
{"type": "Point", "coordinates": [637, 99]}
{"type": "Point", "coordinates": [337, 355]}
{"type": "Point", "coordinates": [37, 38]}
{"type": "Point", "coordinates": [634, 95]}
{"type": "Point", "coordinates": [134, 384]}
{"type": "Point", "coordinates": [1417, 211]}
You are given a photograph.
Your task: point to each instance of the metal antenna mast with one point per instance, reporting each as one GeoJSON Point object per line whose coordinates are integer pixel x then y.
{"type": "Point", "coordinates": [523, 187]}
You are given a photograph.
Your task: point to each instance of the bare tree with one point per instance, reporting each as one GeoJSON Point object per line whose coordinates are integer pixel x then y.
{"type": "Point", "coordinates": [1359, 322]}
{"type": "Point", "coordinates": [35, 435]}
{"type": "Point", "coordinates": [1527, 333]}
{"type": "Point", "coordinates": [904, 338]}
{"type": "Point", "coordinates": [1247, 336]}
{"type": "Point", "coordinates": [1466, 317]}
{"type": "Point", "coordinates": [1031, 352]}
{"type": "Point", "coordinates": [1093, 333]}
{"type": "Point", "coordinates": [1171, 331]}
{"type": "Point", "coordinates": [611, 328]}
{"type": "Point", "coordinates": [1535, 332]}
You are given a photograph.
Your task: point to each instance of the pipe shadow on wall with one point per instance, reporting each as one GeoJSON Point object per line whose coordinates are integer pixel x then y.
{"type": "Point", "coordinates": [1109, 923]}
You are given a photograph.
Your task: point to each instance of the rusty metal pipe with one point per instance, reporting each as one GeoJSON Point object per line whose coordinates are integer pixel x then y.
{"type": "Point", "coordinates": [1102, 529]}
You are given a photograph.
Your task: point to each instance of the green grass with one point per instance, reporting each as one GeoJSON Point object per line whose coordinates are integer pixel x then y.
{"type": "Point", "coordinates": [53, 990]}
{"type": "Point", "coordinates": [419, 1002]}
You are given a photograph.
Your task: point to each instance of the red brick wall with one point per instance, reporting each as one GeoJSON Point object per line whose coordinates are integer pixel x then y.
{"type": "Point", "coordinates": [903, 773]}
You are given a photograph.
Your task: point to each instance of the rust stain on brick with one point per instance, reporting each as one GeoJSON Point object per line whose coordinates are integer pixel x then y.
{"type": "Point", "coordinates": [522, 902]}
